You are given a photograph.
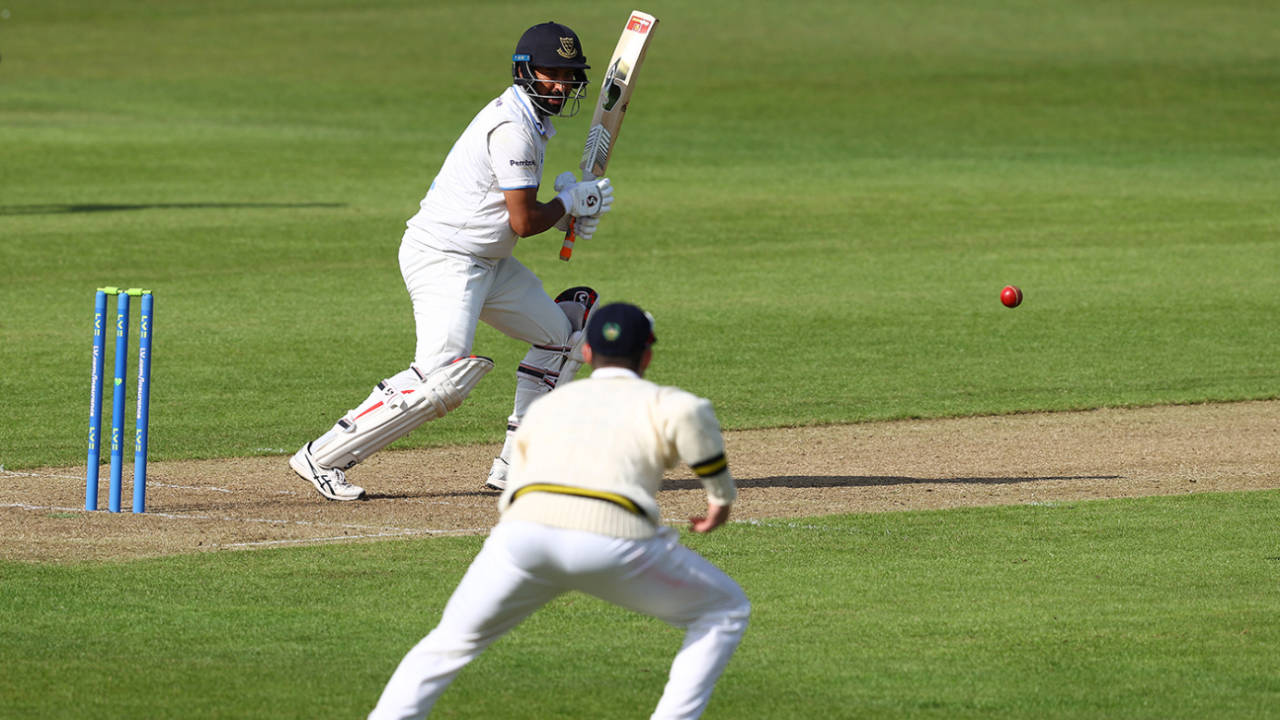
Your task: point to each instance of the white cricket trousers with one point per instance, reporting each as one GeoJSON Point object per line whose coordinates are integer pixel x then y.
{"type": "Point", "coordinates": [524, 565]}
{"type": "Point", "coordinates": [451, 292]}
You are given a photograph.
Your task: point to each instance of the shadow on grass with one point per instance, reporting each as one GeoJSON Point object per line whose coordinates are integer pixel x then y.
{"type": "Point", "coordinates": [428, 493]}
{"type": "Point", "coordinates": [114, 207]}
{"type": "Point", "coordinates": [792, 481]}
{"type": "Point", "coordinates": [822, 481]}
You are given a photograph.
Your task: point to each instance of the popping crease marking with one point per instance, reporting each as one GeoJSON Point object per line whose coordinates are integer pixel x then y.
{"type": "Point", "coordinates": [15, 473]}
{"type": "Point", "coordinates": [264, 521]}
{"type": "Point", "coordinates": [340, 538]}
{"type": "Point", "coordinates": [207, 488]}
{"type": "Point", "coordinates": [410, 501]}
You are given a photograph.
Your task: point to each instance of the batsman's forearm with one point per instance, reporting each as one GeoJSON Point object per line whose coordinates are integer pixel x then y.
{"type": "Point", "coordinates": [527, 216]}
{"type": "Point", "coordinates": [540, 219]}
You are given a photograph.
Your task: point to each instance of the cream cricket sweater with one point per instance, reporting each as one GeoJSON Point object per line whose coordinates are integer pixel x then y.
{"type": "Point", "coordinates": [612, 434]}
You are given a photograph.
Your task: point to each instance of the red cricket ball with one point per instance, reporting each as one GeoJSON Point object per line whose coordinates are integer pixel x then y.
{"type": "Point", "coordinates": [1011, 296]}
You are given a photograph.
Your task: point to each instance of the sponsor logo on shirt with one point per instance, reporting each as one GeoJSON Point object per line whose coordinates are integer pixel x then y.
{"type": "Point", "coordinates": [523, 163]}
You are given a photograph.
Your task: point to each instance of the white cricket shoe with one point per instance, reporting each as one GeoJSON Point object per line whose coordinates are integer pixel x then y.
{"type": "Point", "coordinates": [497, 479]}
{"type": "Point", "coordinates": [329, 482]}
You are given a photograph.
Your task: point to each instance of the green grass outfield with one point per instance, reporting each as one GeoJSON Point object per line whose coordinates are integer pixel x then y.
{"type": "Point", "coordinates": [820, 203]}
{"type": "Point", "coordinates": [1156, 608]}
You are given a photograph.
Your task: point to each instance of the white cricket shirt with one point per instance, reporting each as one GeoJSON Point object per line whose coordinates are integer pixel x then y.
{"type": "Point", "coordinates": [502, 149]}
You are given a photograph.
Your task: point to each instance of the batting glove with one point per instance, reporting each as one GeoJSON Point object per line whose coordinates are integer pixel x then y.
{"type": "Point", "coordinates": [585, 227]}
{"type": "Point", "coordinates": [564, 180]}
{"type": "Point", "coordinates": [587, 199]}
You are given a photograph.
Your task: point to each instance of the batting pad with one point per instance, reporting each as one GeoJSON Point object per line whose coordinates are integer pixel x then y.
{"type": "Point", "coordinates": [372, 427]}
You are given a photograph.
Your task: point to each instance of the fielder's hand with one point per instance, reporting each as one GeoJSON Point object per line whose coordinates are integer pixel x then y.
{"type": "Point", "coordinates": [587, 199]}
{"type": "Point", "coordinates": [717, 515]}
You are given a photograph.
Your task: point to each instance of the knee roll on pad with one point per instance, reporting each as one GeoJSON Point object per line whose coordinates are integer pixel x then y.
{"type": "Point", "coordinates": [576, 304]}
{"type": "Point", "coordinates": [400, 411]}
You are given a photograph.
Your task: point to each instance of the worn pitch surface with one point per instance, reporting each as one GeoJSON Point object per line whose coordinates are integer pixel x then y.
{"type": "Point", "coordinates": [245, 503]}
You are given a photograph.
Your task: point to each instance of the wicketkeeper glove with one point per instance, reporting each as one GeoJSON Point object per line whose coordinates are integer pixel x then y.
{"type": "Point", "coordinates": [587, 199]}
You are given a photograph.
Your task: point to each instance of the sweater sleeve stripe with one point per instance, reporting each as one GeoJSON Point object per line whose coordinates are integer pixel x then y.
{"type": "Point", "coordinates": [710, 466]}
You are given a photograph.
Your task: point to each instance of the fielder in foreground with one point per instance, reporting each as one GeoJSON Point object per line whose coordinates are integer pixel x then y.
{"type": "Point", "coordinates": [456, 259]}
{"type": "Point", "coordinates": [580, 513]}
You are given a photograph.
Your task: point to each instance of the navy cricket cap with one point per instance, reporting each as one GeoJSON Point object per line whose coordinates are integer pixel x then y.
{"type": "Point", "coordinates": [619, 330]}
{"type": "Point", "coordinates": [550, 45]}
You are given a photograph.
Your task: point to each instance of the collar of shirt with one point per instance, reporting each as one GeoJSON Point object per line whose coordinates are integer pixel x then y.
{"type": "Point", "coordinates": [541, 124]}
{"type": "Point", "coordinates": [606, 373]}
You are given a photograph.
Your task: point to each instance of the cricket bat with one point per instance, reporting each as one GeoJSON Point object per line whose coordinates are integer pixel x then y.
{"type": "Point", "coordinates": [611, 106]}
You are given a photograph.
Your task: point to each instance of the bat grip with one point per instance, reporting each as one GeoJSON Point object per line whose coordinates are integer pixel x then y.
{"type": "Point", "coordinates": [566, 250]}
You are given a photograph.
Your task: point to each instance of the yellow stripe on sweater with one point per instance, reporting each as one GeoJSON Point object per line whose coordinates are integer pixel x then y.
{"type": "Point", "coordinates": [711, 466]}
{"type": "Point", "coordinates": [615, 498]}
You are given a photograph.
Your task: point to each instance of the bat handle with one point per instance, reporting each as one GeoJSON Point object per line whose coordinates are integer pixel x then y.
{"type": "Point", "coordinates": [566, 250]}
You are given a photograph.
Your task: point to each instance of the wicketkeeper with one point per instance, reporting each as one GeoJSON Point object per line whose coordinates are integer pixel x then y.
{"type": "Point", "coordinates": [456, 259]}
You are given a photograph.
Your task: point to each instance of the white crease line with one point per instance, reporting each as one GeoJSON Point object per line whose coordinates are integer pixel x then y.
{"type": "Point", "coordinates": [387, 532]}
{"type": "Point", "coordinates": [297, 541]}
{"type": "Point", "coordinates": [15, 473]}
{"type": "Point", "coordinates": [208, 488]}
{"type": "Point", "coordinates": [270, 521]}
{"type": "Point", "coordinates": [24, 506]}
{"type": "Point", "coordinates": [150, 483]}
{"type": "Point", "coordinates": [410, 501]}
{"type": "Point", "coordinates": [267, 521]}
{"type": "Point", "coordinates": [779, 523]}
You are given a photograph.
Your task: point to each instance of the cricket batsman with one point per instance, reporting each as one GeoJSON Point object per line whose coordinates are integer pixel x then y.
{"type": "Point", "coordinates": [456, 259]}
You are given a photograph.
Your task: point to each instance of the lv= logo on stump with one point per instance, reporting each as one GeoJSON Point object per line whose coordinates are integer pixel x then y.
{"type": "Point", "coordinates": [143, 415]}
